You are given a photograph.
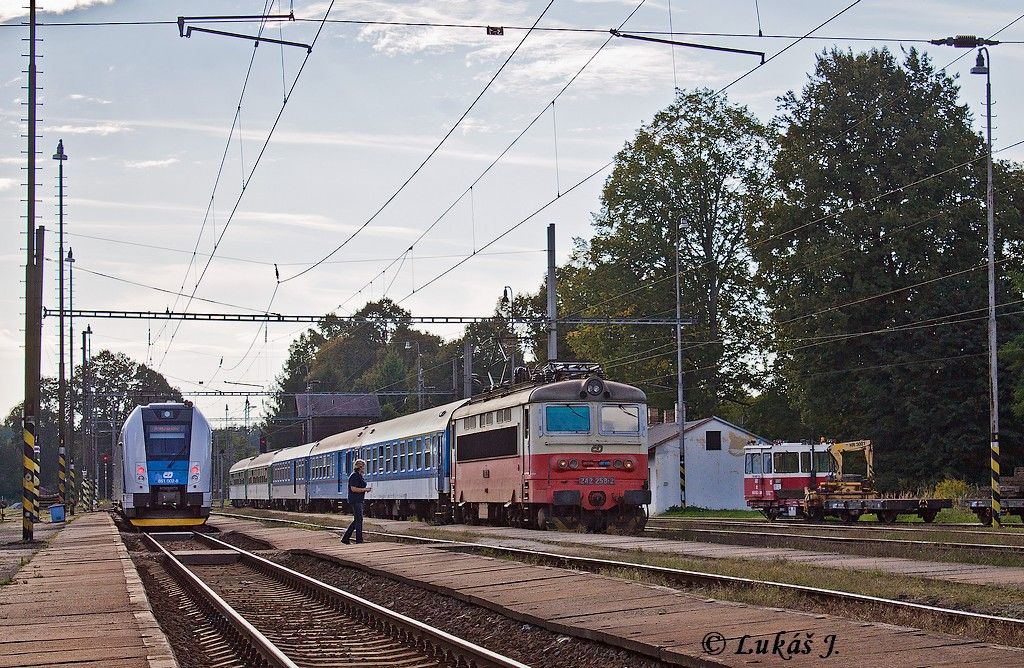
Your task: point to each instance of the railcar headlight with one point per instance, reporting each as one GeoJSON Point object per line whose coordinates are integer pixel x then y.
{"type": "Point", "coordinates": [563, 464]}
{"type": "Point", "coordinates": [574, 464]}
{"type": "Point", "coordinates": [629, 464]}
{"type": "Point", "coordinates": [617, 464]}
{"type": "Point", "coordinates": [594, 387]}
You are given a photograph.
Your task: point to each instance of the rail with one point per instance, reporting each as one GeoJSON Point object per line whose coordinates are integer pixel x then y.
{"type": "Point", "coordinates": [249, 633]}
{"type": "Point", "coordinates": [681, 575]}
{"type": "Point", "coordinates": [449, 644]}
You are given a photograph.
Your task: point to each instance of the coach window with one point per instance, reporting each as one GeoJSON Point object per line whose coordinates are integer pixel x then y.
{"type": "Point", "coordinates": [823, 462]}
{"type": "Point", "coordinates": [427, 449]}
{"type": "Point", "coordinates": [469, 423]}
{"type": "Point", "coordinates": [787, 462]}
{"type": "Point", "coordinates": [805, 462]}
{"type": "Point", "coordinates": [395, 456]}
{"type": "Point", "coordinates": [410, 453]}
{"type": "Point", "coordinates": [567, 419]}
{"type": "Point", "coordinates": [767, 457]}
{"type": "Point", "coordinates": [620, 419]}
{"type": "Point", "coordinates": [380, 459]}
{"type": "Point", "coordinates": [419, 454]}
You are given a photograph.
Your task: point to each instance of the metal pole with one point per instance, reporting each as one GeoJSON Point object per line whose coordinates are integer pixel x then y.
{"type": "Point", "coordinates": [993, 368]}
{"type": "Point", "coordinates": [552, 303]}
{"type": "Point", "coordinates": [680, 388]}
{"type": "Point", "coordinates": [71, 385]}
{"type": "Point", "coordinates": [62, 460]}
{"type": "Point", "coordinates": [467, 369]}
{"type": "Point", "coordinates": [419, 378]}
{"type": "Point", "coordinates": [32, 330]}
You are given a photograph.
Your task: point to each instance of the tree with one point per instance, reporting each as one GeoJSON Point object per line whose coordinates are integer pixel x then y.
{"type": "Point", "coordinates": [872, 260]}
{"type": "Point", "coordinates": [699, 173]}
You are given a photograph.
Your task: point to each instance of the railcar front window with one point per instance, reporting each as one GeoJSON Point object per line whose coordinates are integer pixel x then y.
{"type": "Point", "coordinates": [166, 444]}
{"type": "Point", "coordinates": [787, 462]}
{"type": "Point", "coordinates": [620, 419]}
{"type": "Point", "coordinates": [567, 419]}
{"type": "Point", "coordinates": [753, 464]}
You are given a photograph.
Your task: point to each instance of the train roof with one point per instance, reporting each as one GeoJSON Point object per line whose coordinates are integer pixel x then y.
{"type": "Point", "coordinates": [562, 390]}
{"type": "Point", "coordinates": [420, 422]}
{"type": "Point", "coordinates": [242, 464]}
{"type": "Point", "coordinates": [262, 459]}
{"type": "Point", "coordinates": [294, 452]}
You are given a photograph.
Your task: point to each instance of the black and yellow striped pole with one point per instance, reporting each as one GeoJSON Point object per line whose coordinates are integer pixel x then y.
{"type": "Point", "coordinates": [28, 489]}
{"type": "Point", "coordinates": [72, 490]}
{"type": "Point", "coordinates": [997, 497]}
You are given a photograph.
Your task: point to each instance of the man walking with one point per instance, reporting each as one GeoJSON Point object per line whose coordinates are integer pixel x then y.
{"type": "Point", "coordinates": [356, 489]}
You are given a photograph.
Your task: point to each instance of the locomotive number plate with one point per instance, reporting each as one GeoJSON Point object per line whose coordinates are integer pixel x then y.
{"type": "Point", "coordinates": [597, 481]}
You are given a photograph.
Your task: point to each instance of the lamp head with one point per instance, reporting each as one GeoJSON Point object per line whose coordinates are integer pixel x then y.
{"type": "Point", "coordinates": [979, 65]}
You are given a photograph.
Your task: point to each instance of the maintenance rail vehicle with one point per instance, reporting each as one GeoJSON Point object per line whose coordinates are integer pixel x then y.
{"type": "Point", "coordinates": [560, 447]}
{"type": "Point", "coordinates": [807, 480]}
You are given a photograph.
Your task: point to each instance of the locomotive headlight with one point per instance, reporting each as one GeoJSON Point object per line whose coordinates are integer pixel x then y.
{"type": "Point", "coordinates": [617, 464]}
{"type": "Point", "coordinates": [563, 464]}
{"type": "Point", "coordinates": [167, 414]}
{"type": "Point", "coordinates": [574, 464]}
{"type": "Point", "coordinates": [195, 478]}
{"type": "Point", "coordinates": [594, 387]}
{"type": "Point", "coordinates": [629, 464]}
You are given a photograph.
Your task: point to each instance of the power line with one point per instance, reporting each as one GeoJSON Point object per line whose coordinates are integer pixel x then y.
{"type": "Point", "coordinates": [469, 189]}
{"type": "Point", "coordinates": [430, 155]}
{"type": "Point", "coordinates": [252, 171]}
{"type": "Point", "coordinates": [484, 26]}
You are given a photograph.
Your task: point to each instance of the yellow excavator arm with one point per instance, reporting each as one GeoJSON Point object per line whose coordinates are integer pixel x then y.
{"type": "Point", "coordinates": [837, 450]}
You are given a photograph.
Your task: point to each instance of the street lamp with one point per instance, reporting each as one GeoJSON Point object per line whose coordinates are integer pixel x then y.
{"type": "Point", "coordinates": [419, 374]}
{"type": "Point", "coordinates": [508, 301]}
{"type": "Point", "coordinates": [982, 65]}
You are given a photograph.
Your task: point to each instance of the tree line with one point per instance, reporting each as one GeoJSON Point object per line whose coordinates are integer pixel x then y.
{"type": "Point", "coordinates": [832, 258]}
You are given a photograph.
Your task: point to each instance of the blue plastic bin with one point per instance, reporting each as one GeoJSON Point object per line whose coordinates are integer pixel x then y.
{"type": "Point", "coordinates": [57, 512]}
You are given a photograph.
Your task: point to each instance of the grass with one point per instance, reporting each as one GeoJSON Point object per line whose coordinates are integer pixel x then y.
{"type": "Point", "coordinates": [705, 513]}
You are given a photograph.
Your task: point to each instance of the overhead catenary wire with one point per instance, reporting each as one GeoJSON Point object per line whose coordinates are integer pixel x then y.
{"type": "Point", "coordinates": [470, 189]}
{"type": "Point", "coordinates": [252, 171]}
{"type": "Point", "coordinates": [483, 26]}
{"type": "Point", "coordinates": [427, 159]}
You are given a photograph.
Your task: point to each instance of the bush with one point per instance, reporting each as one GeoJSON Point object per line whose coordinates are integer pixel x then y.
{"type": "Point", "coordinates": [951, 488]}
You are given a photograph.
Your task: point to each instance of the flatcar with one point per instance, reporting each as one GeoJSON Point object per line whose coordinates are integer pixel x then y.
{"type": "Point", "coordinates": [565, 448]}
{"type": "Point", "coordinates": [163, 464]}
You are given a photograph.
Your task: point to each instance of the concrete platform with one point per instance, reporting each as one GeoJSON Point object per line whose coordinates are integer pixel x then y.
{"type": "Point", "coordinates": [80, 603]}
{"type": "Point", "coordinates": [658, 621]}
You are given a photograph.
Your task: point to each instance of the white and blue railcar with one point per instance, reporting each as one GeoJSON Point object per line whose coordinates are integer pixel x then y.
{"type": "Point", "coordinates": [288, 473]}
{"type": "Point", "coordinates": [408, 464]}
{"type": "Point", "coordinates": [329, 468]}
{"type": "Point", "coordinates": [164, 457]}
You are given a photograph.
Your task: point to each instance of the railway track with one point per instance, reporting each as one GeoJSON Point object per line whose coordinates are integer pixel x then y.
{"type": "Point", "coordinates": [765, 536]}
{"type": "Point", "coordinates": [260, 613]}
{"type": "Point", "coordinates": [1014, 626]}
{"type": "Point", "coordinates": [974, 530]}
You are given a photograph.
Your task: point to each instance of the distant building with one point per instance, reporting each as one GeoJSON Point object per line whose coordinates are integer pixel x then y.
{"type": "Point", "coordinates": [325, 414]}
{"type": "Point", "coordinates": [707, 473]}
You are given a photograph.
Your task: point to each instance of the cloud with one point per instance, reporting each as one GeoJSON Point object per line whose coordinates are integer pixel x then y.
{"type": "Point", "coordinates": [12, 10]}
{"type": "Point", "coordinates": [100, 129]}
{"type": "Point", "coordinates": [146, 164]}
{"type": "Point", "coordinates": [8, 184]}
{"type": "Point", "coordinates": [85, 98]}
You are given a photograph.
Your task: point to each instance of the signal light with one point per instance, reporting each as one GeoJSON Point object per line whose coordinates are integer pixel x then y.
{"type": "Point", "coordinates": [140, 470]}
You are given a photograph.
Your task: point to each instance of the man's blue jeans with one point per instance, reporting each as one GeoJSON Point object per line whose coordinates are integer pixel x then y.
{"type": "Point", "coordinates": [357, 524]}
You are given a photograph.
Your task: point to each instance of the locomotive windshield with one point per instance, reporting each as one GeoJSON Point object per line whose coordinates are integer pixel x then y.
{"type": "Point", "coordinates": [167, 441]}
{"type": "Point", "coordinates": [620, 419]}
{"type": "Point", "coordinates": [570, 418]}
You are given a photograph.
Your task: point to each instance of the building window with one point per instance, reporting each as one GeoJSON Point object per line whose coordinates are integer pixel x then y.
{"type": "Point", "coordinates": [713, 440]}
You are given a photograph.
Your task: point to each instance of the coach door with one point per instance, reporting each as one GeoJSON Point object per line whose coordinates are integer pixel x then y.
{"type": "Point", "coordinates": [442, 454]}
{"type": "Point", "coordinates": [525, 454]}
{"type": "Point", "coordinates": [343, 475]}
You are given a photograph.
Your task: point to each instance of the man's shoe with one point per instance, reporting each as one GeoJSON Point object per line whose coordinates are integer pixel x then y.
{"type": "Point", "coordinates": [359, 542]}
{"type": "Point", "coordinates": [345, 541]}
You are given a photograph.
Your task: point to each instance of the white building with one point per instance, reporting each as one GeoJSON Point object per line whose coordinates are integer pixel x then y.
{"type": "Point", "coordinates": [709, 471]}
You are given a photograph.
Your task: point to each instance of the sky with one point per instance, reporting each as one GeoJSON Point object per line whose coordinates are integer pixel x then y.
{"type": "Point", "coordinates": [187, 172]}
